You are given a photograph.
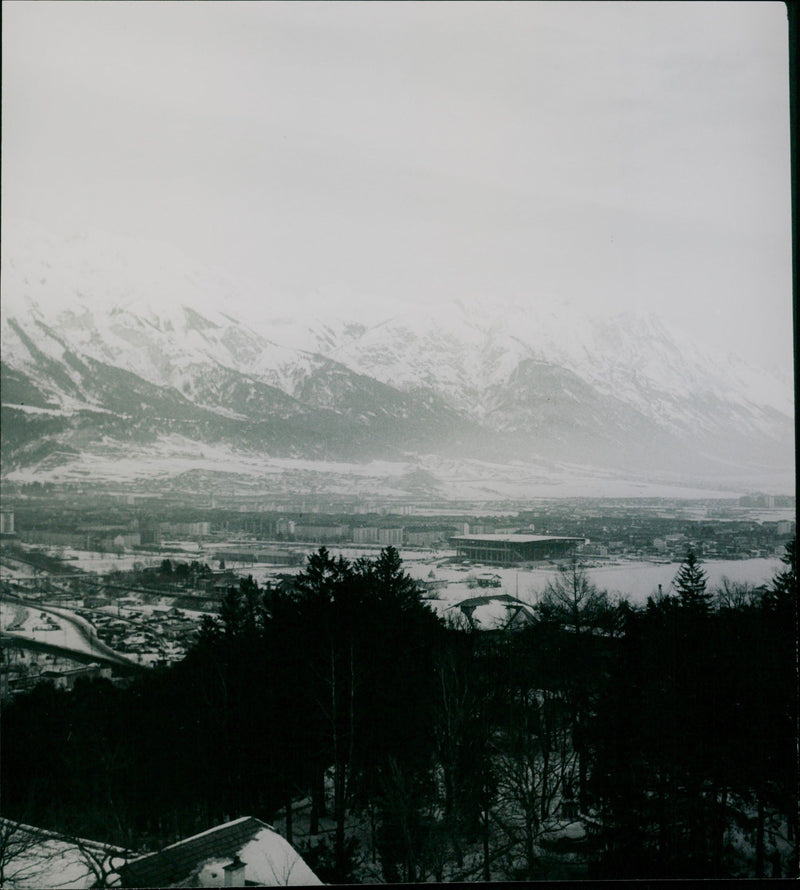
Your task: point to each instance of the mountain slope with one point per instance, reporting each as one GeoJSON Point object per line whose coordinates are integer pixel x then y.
{"type": "Point", "coordinates": [631, 371]}
{"type": "Point", "coordinates": [329, 412]}
{"type": "Point", "coordinates": [107, 344]}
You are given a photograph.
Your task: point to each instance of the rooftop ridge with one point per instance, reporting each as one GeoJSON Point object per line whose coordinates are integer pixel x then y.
{"type": "Point", "coordinates": [215, 828]}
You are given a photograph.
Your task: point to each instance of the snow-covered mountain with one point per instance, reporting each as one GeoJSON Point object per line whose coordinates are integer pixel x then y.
{"type": "Point", "coordinates": [517, 367]}
{"type": "Point", "coordinates": [109, 344]}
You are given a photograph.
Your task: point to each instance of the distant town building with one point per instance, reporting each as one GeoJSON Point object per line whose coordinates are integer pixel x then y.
{"type": "Point", "coordinates": [220, 582]}
{"type": "Point", "coordinates": [7, 522]}
{"type": "Point", "coordinates": [374, 535]}
{"type": "Point", "coordinates": [509, 549]}
{"type": "Point", "coordinates": [768, 501]}
{"type": "Point", "coordinates": [365, 535]}
{"type": "Point", "coordinates": [782, 528]}
{"type": "Point", "coordinates": [150, 532]}
{"type": "Point", "coordinates": [595, 550]}
{"type": "Point", "coordinates": [482, 528]}
{"type": "Point", "coordinates": [322, 534]}
{"type": "Point", "coordinates": [390, 537]}
{"type": "Point", "coordinates": [190, 529]}
{"type": "Point", "coordinates": [426, 537]}
{"type": "Point", "coordinates": [67, 679]}
{"type": "Point", "coordinates": [75, 540]}
{"type": "Point", "coordinates": [285, 527]}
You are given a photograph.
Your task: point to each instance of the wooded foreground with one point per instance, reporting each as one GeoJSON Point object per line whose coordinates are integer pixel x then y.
{"type": "Point", "coordinates": [601, 741]}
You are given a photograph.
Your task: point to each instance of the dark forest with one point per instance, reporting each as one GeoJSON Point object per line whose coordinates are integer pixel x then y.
{"type": "Point", "coordinates": [666, 732]}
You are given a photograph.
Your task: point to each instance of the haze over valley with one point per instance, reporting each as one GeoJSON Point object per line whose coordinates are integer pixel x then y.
{"type": "Point", "coordinates": [119, 364]}
{"type": "Point", "coordinates": [397, 443]}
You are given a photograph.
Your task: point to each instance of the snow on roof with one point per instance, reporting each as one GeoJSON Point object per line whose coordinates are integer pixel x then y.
{"type": "Point", "coordinates": [272, 861]}
{"type": "Point", "coordinates": [199, 861]}
{"type": "Point", "coordinates": [217, 828]}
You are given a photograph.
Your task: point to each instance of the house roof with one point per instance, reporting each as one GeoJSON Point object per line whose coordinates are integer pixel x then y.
{"type": "Point", "coordinates": [176, 862]}
{"type": "Point", "coordinates": [269, 858]}
{"type": "Point", "coordinates": [488, 598]}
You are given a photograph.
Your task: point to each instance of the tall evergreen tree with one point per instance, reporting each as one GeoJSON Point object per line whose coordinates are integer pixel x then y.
{"type": "Point", "coordinates": [690, 584]}
{"type": "Point", "coordinates": [390, 582]}
{"type": "Point", "coordinates": [785, 582]}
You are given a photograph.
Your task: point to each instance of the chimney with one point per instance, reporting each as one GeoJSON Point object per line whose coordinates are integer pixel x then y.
{"type": "Point", "coordinates": [234, 873]}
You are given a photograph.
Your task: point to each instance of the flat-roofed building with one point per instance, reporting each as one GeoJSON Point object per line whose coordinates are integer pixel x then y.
{"type": "Point", "coordinates": [426, 537]}
{"type": "Point", "coordinates": [6, 522]}
{"type": "Point", "coordinates": [322, 534]}
{"type": "Point", "coordinates": [365, 535]}
{"type": "Point", "coordinates": [390, 537]}
{"type": "Point", "coordinates": [509, 549]}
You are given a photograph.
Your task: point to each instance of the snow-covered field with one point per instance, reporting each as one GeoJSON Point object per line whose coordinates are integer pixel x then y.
{"type": "Point", "coordinates": [636, 580]}
{"type": "Point", "coordinates": [454, 480]}
{"type": "Point", "coordinates": [639, 580]}
{"type": "Point", "coordinates": [93, 561]}
{"type": "Point", "coordinates": [12, 569]}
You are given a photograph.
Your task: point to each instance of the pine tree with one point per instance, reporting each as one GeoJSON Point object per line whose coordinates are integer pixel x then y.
{"type": "Point", "coordinates": [785, 582]}
{"type": "Point", "coordinates": [388, 581]}
{"type": "Point", "coordinates": [690, 584]}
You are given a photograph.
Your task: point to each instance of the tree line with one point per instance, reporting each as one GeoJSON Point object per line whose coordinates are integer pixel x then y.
{"type": "Point", "coordinates": [601, 740]}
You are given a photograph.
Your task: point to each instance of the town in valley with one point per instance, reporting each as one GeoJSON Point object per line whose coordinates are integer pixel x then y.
{"type": "Point", "coordinates": [139, 570]}
{"type": "Point", "coordinates": [397, 443]}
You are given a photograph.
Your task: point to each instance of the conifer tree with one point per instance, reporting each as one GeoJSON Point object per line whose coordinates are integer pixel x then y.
{"type": "Point", "coordinates": [389, 581]}
{"type": "Point", "coordinates": [785, 581]}
{"type": "Point", "coordinates": [690, 584]}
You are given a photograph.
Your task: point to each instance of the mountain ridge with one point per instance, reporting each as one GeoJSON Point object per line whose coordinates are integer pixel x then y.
{"type": "Point", "coordinates": [506, 381]}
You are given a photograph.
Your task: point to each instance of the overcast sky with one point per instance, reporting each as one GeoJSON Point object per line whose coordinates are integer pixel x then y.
{"type": "Point", "coordinates": [614, 155]}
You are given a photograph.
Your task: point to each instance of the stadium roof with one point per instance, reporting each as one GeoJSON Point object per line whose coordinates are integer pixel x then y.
{"type": "Point", "coordinates": [514, 539]}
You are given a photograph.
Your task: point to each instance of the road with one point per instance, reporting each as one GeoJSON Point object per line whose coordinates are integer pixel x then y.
{"type": "Point", "coordinates": [78, 636]}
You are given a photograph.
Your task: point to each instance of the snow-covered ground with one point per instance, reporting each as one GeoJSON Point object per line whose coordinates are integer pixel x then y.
{"type": "Point", "coordinates": [94, 561]}
{"type": "Point", "coordinates": [636, 580]}
{"type": "Point", "coordinates": [454, 480]}
{"type": "Point", "coordinates": [47, 624]}
{"type": "Point", "coordinates": [44, 859]}
{"type": "Point", "coordinates": [16, 571]}
{"type": "Point", "coordinates": [43, 626]}
{"type": "Point", "coordinates": [633, 579]}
